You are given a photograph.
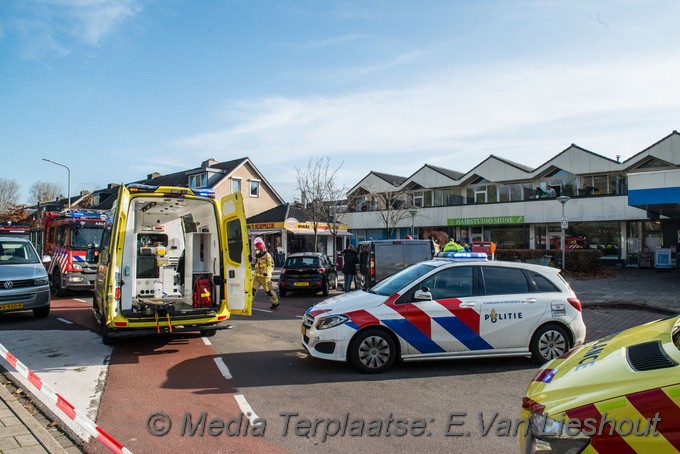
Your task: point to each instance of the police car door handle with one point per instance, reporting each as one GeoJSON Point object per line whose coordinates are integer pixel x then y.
{"type": "Point", "coordinates": [468, 304]}
{"type": "Point", "coordinates": [529, 300]}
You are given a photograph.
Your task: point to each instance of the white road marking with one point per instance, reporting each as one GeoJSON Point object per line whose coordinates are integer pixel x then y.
{"type": "Point", "coordinates": [224, 370]}
{"type": "Point", "coordinates": [261, 310]}
{"type": "Point", "coordinates": [206, 341]}
{"type": "Point", "coordinates": [245, 407]}
{"type": "Point", "coordinates": [299, 316]}
{"type": "Point", "coordinates": [68, 322]}
{"type": "Point", "coordinates": [82, 301]}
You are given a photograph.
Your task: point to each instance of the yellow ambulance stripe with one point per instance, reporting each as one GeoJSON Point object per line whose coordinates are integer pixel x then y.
{"type": "Point", "coordinates": [629, 420]}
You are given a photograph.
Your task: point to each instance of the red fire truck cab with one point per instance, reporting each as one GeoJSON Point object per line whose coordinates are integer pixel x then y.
{"type": "Point", "coordinates": [68, 235]}
{"type": "Point", "coordinates": [574, 242]}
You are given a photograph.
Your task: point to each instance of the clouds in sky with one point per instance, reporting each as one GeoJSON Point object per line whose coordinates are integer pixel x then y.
{"type": "Point", "coordinates": [375, 85]}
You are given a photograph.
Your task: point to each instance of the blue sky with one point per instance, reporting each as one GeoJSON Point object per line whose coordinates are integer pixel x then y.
{"type": "Point", "coordinates": [117, 89]}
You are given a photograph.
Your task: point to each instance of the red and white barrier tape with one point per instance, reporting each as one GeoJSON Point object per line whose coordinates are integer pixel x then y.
{"type": "Point", "coordinates": [63, 405]}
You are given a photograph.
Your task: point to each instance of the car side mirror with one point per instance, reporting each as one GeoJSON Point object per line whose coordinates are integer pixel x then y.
{"type": "Point", "coordinates": [423, 295]}
{"type": "Point", "coordinates": [46, 259]}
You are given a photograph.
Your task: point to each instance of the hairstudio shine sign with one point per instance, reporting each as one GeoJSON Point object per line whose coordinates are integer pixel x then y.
{"type": "Point", "coordinates": [492, 220]}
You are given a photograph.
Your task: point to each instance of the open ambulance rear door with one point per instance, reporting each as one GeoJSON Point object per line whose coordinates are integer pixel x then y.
{"type": "Point", "coordinates": [235, 255]}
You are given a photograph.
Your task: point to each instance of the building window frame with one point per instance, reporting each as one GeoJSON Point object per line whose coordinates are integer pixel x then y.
{"type": "Point", "coordinates": [198, 180]}
{"type": "Point", "coordinates": [236, 185]}
{"type": "Point", "coordinates": [254, 190]}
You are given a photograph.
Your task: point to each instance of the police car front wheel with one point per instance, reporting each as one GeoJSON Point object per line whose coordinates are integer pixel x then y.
{"type": "Point", "coordinates": [549, 342]}
{"type": "Point", "coordinates": [372, 351]}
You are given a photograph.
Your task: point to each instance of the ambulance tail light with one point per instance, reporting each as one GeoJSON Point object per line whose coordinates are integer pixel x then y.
{"type": "Point", "coordinates": [575, 303]}
{"type": "Point", "coordinates": [372, 267]}
{"type": "Point", "coordinates": [116, 293]}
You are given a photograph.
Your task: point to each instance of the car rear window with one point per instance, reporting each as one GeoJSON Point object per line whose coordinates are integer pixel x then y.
{"type": "Point", "coordinates": [543, 283]}
{"type": "Point", "coordinates": [302, 262]}
{"type": "Point", "coordinates": [504, 281]}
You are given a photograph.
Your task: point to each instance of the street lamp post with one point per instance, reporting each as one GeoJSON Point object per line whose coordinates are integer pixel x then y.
{"type": "Point", "coordinates": [68, 192]}
{"type": "Point", "coordinates": [563, 225]}
{"type": "Point", "coordinates": [413, 212]}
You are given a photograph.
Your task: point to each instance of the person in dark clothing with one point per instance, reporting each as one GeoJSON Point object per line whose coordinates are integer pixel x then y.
{"type": "Point", "coordinates": [349, 266]}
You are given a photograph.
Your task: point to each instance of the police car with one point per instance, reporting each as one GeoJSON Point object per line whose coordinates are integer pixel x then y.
{"type": "Point", "coordinates": [458, 305]}
{"type": "Point", "coordinates": [618, 394]}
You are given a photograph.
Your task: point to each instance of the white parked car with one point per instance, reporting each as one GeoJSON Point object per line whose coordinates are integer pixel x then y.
{"type": "Point", "coordinates": [457, 307]}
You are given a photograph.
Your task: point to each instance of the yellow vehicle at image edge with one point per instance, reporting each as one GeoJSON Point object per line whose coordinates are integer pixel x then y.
{"type": "Point", "coordinates": [171, 260]}
{"type": "Point", "coordinates": [619, 394]}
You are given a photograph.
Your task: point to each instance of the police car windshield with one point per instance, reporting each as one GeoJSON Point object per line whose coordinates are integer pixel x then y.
{"type": "Point", "coordinates": [394, 283]}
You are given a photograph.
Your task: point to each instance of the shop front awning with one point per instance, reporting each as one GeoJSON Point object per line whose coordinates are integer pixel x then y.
{"type": "Point", "coordinates": [256, 232]}
{"type": "Point", "coordinates": [319, 233]}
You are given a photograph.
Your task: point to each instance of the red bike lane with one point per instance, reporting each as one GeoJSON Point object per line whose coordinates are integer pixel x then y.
{"type": "Point", "coordinates": [158, 384]}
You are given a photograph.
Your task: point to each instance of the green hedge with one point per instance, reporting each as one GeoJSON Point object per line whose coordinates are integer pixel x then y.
{"type": "Point", "coordinates": [578, 260]}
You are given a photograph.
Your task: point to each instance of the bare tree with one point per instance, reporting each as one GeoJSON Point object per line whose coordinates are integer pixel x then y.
{"type": "Point", "coordinates": [313, 184]}
{"type": "Point", "coordinates": [336, 200]}
{"type": "Point", "coordinates": [9, 195]}
{"type": "Point", "coordinates": [41, 192]}
{"type": "Point", "coordinates": [392, 207]}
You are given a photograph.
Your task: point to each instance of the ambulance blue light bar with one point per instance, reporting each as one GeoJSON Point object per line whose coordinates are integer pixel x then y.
{"type": "Point", "coordinates": [463, 255]}
{"type": "Point", "coordinates": [205, 192]}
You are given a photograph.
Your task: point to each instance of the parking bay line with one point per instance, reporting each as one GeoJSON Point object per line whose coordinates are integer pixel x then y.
{"type": "Point", "coordinates": [245, 407]}
{"type": "Point", "coordinates": [224, 370]}
{"type": "Point", "coordinates": [63, 320]}
{"type": "Point", "coordinates": [243, 404]}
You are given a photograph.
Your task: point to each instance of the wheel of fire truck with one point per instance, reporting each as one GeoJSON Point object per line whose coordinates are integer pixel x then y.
{"type": "Point", "coordinates": [56, 283]}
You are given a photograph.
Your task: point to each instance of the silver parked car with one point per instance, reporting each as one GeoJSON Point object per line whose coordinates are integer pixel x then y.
{"type": "Point", "coordinates": [23, 279]}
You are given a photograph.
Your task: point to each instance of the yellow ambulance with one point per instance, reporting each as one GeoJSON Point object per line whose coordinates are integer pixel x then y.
{"type": "Point", "coordinates": [171, 260]}
{"type": "Point", "coordinates": [620, 394]}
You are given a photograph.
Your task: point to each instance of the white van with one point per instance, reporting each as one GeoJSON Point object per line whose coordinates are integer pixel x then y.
{"type": "Point", "coordinates": [172, 260]}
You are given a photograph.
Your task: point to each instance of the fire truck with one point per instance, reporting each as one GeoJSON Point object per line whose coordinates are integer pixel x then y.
{"type": "Point", "coordinates": [68, 236]}
{"type": "Point", "coordinates": [575, 242]}
{"type": "Point", "coordinates": [21, 231]}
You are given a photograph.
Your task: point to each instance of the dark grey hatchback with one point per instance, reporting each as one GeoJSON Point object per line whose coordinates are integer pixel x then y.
{"type": "Point", "coordinates": [308, 271]}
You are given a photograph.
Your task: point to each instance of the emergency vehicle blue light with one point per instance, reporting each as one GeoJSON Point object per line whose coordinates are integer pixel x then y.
{"type": "Point", "coordinates": [210, 193]}
{"type": "Point", "coordinates": [463, 255]}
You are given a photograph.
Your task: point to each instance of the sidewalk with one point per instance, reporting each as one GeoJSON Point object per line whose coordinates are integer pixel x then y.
{"type": "Point", "coordinates": [643, 287]}
{"type": "Point", "coordinates": [20, 431]}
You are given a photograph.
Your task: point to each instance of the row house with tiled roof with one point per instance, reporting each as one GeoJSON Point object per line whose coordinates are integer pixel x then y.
{"type": "Point", "coordinates": [627, 208]}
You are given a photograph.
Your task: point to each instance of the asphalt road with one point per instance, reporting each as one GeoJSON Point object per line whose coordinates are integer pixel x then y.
{"type": "Point", "coordinates": [305, 404]}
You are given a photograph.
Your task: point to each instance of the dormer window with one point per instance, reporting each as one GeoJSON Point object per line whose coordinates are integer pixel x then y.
{"type": "Point", "coordinates": [199, 180]}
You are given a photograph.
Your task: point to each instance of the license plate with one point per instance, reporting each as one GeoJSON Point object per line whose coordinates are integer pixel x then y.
{"type": "Point", "coordinates": [301, 284]}
{"type": "Point", "coordinates": [11, 306]}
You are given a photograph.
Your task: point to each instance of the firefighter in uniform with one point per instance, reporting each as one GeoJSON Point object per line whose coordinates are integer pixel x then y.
{"type": "Point", "coordinates": [264, 266]}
